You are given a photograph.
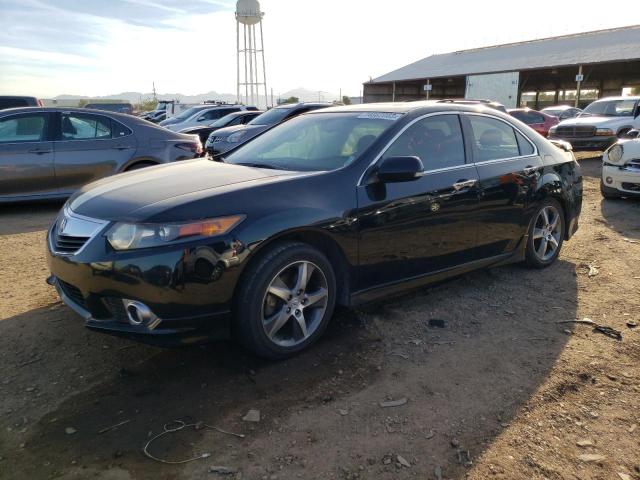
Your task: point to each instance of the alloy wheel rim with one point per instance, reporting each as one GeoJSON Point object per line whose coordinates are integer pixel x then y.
{"type": "Point", "coordinates": [294, 303]}
{"type": "Point", "coordinates": [547, 232]}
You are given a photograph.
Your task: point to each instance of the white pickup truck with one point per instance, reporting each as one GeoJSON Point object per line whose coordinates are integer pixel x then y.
{"type": "Point", "coordinates": [601, 124]}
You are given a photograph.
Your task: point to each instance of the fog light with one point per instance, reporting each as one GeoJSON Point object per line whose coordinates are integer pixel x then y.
{"type": "Point", "coordinates": [139, 314]}
{"type": "Point", "coordinates": [608, 180]}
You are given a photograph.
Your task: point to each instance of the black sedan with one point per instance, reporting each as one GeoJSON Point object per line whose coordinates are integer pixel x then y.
{"type": "Point", "coordinates": [236, 118]}
{"type": "Point", "coordinates": [228, 138]}
{"type": "Point", "coordinates": [334, 207]}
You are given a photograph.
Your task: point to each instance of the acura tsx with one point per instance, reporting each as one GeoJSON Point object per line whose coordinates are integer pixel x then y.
{"type": "Point", "coordinates": [335, 207]}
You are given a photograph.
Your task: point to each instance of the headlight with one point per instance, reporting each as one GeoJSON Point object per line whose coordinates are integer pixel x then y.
{"type": "Point", "coordinates": [235, 137]}
{"type": "Point", "coordinates": [552, 130]}
{"type": "Point", "coordinates": [129, 236]}
{"type": "Point", "coordinates": [604, 132]}
{"type": "Point", "coordinates": [614, 154]}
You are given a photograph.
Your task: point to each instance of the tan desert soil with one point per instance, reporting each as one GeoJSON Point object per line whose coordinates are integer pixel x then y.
{"type": "Point", "coordinates": [502, 391]}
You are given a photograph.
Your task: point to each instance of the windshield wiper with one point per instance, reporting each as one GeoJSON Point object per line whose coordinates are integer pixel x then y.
{"type": "Point", "coordinates": [260, 165]}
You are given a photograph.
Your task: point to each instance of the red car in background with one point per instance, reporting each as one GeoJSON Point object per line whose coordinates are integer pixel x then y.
{"type": "Point", "coordinates": [540, 122]}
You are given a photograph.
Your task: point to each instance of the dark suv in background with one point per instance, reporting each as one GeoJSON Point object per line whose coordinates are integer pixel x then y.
{"type": "Point", "coordinates": [230, 137]}
{"type": "Point", "coordinates": [8, 101]}
{"type": "Point", "coordinates": [51, 152]}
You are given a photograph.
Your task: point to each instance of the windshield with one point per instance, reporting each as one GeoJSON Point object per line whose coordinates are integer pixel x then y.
{"type": "Point", "coordinates": [187, 113]}
{"type": "Point", "coordinates": [221, 122]}
{"type": "Point", "coordinates": [316, 142]}
{"type": "Point", "coordinates": [270, 117]}
{"type": "Point", "coordinates": [611, 108]}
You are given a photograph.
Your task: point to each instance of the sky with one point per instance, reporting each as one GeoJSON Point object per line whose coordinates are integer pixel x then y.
{"type": "Point", "coordinates": [101, 47]}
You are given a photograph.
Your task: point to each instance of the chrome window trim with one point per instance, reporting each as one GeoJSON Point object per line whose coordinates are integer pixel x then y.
{"type": "Point", "coordinates": [535, 147]}
{"type": "Point", "coordinates": [404, 129]}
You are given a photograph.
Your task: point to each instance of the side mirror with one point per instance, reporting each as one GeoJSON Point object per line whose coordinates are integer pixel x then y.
{"type": "Point", "coordinates": [400, 169]}
{"type": "Point", "coordinates": [201, 119]}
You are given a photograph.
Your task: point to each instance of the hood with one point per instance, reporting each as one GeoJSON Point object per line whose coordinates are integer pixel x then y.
{"type": "Point", "coordinates": [596, 121]}
{"type": "Point", "coordinates": [122, 197]}
{"type": "Point", "coordinates": [250, 129]}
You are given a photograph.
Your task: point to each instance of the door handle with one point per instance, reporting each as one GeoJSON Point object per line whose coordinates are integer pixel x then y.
{"type": "Point", "coordinates": [528, 170]}
{"type": "Point", "coordinates": [121, 147]}
{"type": "Point", "coordinates": [463, 184]}
{"type": "Point", "coordinates": [39, 151]}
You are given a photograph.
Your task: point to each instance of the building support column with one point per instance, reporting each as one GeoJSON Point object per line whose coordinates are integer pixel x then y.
{"type": "Point", "coordinates": [393, 92]}
{"type": "Point", "coordinates": [577, 102]}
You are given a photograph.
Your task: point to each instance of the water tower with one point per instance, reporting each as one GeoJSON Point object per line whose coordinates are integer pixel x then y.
{"type": "Point", "coordinates": [252, 75]}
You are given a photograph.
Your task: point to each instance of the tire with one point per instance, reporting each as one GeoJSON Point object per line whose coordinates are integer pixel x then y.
{"type": "Point", "coordinates": [139, 165]}
{"type": "Point", "coordinates": [545, 236]}
{"type": "Point", "coordinates": [271, 325]}
{"type": "Point", "coordinates": [608, 192]}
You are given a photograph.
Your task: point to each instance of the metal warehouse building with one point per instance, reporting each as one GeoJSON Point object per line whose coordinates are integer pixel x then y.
{"type": "Point", "coordinates": [572, 69]}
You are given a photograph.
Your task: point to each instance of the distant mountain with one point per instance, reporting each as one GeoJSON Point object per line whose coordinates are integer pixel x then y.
{"type": "Point", "coordinates": [303, 94]}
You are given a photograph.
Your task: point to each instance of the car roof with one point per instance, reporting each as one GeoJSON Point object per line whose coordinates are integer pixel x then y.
{"type": "Point", "coordinates": [304, 104]}
{"type": "Point", "coordinates": [559, 107]}
{"type": "Point", "coordinates": [617, 98]}
{"type": "Point", "coordinates": [86, 111]}
{"type": "Point", "coordinates": [406, 107]}
{"type": "Point", "coordinates": [16, 97]}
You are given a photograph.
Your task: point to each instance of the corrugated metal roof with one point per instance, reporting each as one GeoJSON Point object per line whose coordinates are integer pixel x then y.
{"type": "Point", "coordinates": [617, 44]}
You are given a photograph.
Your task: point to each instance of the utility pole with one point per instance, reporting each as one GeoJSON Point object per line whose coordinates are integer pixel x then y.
{"type": "Point", "coordinates": [155, 97]}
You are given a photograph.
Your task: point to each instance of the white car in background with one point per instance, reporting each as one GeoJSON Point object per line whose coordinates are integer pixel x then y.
{"type": "Point", "coordinates": [621, 170]}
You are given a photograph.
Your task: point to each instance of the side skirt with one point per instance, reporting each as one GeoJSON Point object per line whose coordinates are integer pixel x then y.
{"type": "Point", "coordinates": [364, 296]}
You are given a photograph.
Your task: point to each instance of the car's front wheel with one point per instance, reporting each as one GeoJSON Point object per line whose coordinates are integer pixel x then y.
{"type": "Point", "coordinates": [285, 301]}
{"type": "Point", "coordinates": [546, 234]}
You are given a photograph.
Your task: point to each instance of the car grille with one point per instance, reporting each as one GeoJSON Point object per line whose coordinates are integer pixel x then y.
{"type": "Point", "coordinates": [575, 131]}
{"type": "Point", "coordinates": [67, 243]}
{"type": "Point", "coordinates": [633, 187]}
{"type": "Point", "coordinates": [73, 293]}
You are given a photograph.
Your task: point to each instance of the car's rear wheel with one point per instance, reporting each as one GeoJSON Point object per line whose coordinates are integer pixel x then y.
{"type": "Point", "coordinates": [608, 192]}
{"type": "Point", "coordinates": [286, 301]}
{"type": "Point", "coordinates": [546, 234]}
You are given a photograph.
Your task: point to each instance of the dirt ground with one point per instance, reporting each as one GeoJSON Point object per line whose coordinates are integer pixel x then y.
{"type": "Point", "coordinates": [498, 389]}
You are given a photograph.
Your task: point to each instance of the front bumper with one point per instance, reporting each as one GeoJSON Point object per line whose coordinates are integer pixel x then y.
{"type": "Point", "coordinates": [189, 289]}
{"type": "Point", "coordinates": [624, 179]}
{"type": "Point", "coordinates": [587, 143]}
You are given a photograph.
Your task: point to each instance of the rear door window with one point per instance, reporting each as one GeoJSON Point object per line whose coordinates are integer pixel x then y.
{"type": "Point", "coordinates": [436, 140]}
{"type": "Point", "coordinates": [23, 128]}
{"type": "Point", "coordinates": [493, 139]}
{"type": "Point", "coordinates": [79, 126]}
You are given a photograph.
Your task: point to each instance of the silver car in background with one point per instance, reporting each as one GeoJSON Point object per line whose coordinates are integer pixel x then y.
{"type": "Point", "coordinates": [48, 153]}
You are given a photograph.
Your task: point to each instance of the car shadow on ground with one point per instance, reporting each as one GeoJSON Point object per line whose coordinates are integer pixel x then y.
{"type": "Point", "coordinates": [40, 215]}
{"type": "Point", "coordinates": [467, 355]}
